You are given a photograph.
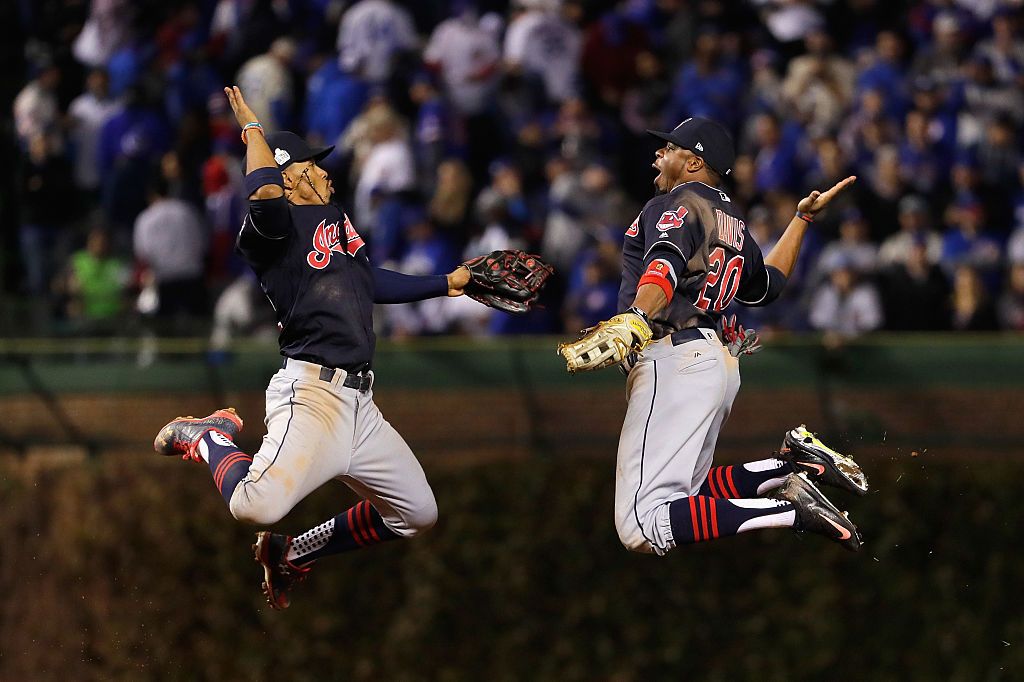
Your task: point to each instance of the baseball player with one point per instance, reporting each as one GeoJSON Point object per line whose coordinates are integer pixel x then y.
{"type": "Point", "coordinates": [686, 258]}
{"type": "Point", "coordinates": [321, 420]}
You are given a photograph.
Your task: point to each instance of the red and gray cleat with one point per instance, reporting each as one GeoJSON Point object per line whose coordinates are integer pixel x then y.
{"type": "Point", "coordinates": [815, 514]}
{"type": "Point", "coordinates": [181, 436]}
{"type": "Point", "coordinates": [279, 574]}
{"type": "Point", "coordinates": [806, 454]}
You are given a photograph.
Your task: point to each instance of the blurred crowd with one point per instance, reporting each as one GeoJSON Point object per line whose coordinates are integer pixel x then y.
{"type": "Point", "coordinates": [462, 126]}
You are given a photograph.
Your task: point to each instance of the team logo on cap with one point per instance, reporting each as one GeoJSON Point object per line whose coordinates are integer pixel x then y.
{"type": "Point", "coordinates": [281, 157]}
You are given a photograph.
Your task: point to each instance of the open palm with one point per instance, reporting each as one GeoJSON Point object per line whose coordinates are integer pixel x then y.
{"type": "Point", "coordinates": [816, 201]}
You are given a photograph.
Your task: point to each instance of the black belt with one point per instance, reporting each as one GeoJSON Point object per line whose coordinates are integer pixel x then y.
{"type": "Point", "coordinates": [689, 334]}
{"type": "Point", "coordinates": [360, 382]}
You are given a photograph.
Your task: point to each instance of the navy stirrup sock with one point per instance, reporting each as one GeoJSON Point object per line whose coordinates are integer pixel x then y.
{"type": "Point", "coordinates": [228, 464]}
{"type": "Point", "coordinates": [746, 480]}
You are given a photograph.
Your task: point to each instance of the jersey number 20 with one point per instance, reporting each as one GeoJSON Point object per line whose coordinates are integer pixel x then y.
{"type": "Point", "coordinates": [722, 281]}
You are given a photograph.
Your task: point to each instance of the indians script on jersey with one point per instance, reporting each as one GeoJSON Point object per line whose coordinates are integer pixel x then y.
{"type": "Point", "coordinates": [325, 241]}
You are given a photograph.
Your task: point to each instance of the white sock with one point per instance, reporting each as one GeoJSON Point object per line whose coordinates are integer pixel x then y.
{"type": "Point", "coordinates": [785, 518]}
{"type": "Point", "coordinates": [311, 541]}
{"type": "Point", "coordinates": [768, 465]}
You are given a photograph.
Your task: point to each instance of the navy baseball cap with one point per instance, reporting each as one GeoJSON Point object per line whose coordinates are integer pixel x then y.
{"type": "Point", "coordinates": [707, 139]}
{"type": "Point", "coordinates": [289, 148]}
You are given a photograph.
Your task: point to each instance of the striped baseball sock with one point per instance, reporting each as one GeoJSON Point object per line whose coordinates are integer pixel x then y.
{"type": "Point", "coordinates": [746, 480]}
{"type": "Point", "coordinates": [360, 526]}
{"type": "Point", "coordinates": [701, 517]}
{"type": "Point", "coordinates": [228, 464]}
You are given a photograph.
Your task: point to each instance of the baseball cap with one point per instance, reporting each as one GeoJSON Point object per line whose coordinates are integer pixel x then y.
{"type": "Point", "coordinates": [707, 139]}
{"type": "Point", "coordinates": [289, 148]}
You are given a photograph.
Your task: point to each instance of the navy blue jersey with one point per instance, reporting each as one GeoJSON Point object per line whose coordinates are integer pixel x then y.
{"type": "Point", "coordinates": [693, 236]}
{"type": "Point", "coordinates": [313, 267]}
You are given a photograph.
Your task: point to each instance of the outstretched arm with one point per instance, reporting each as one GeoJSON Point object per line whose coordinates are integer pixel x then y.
{"type": "Point", "coordinates": [257, 153]}
{"type": "Point", "coordinates": [395, 287]}
{"type": "Point", "coordinates": [783, 256]}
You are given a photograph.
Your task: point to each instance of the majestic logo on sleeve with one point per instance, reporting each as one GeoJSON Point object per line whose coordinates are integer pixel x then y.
{"type": "Point", "coordinates": [671, 220]}
{"type": "Point", "coordinates": [326, 242]}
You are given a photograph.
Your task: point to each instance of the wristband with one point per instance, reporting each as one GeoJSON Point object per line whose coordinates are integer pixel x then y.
{"type": "Point", "coordinates": [262, 177]}
{"type": "Point", "coordinates": [248, 126]}
{"type": "Point", "coordinates": [806, 217]}
{"type": "Point", "coordinates": [641, 313]}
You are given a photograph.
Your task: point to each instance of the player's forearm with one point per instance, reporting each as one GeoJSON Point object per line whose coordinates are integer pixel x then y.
{"type": "Point", "coordinates": [650, 298]}
{"type": "Point", "coordinates": [784, 254]}
{"type": "Point", "coordinates": [396, 287]}
{"type": "Point", "coordinates": [258, 156]}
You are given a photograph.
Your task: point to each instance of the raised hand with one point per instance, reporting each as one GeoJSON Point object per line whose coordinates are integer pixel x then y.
{"type": "Point", "coordinates": [816, 201]}
{"type": "Point", "coordinates": [243, 114]}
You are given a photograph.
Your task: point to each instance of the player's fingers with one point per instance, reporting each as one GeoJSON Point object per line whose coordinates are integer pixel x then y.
{"type": "Point", "coordinates": [839, 187]}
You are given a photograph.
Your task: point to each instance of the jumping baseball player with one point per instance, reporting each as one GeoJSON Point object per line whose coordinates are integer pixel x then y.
{"type": "Point", "coordinates": [686, 258]}
{"type": "Point", "coordinates": [322, 423]}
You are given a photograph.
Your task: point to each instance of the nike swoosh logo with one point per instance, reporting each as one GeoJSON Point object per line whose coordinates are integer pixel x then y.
{"type": "Point", "coordinates": [844, 534]}
{"type": "Point", "coordinates": [815, 467]}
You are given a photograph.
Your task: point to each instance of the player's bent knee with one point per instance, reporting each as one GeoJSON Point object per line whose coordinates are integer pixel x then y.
{"type": "Point", "coordinates": [424, 518]}
{"type": "Point", "coordinates": [632, 539]}
{"type": "Point", "coordinates": [256, 513]}
{"type": "Point", "coordinates": [417, 520]}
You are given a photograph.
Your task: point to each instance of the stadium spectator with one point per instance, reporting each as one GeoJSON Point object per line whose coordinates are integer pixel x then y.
{"type": "Point", "coordinates": [941, 59]}
{"type": "Point", "coordinates": [388, 167]}
{"type": "Point", "coordinates": [915, 291]}
{"type": "Point", "coordinates": [36, 112]}
{"type": "Point", "coordinates": [463, 50]}
{"type": "Point", "coordinates": [819, 84]}
{"type": "Point", "coordinates": [540, 44]}
{"type": "Point", "coordinates": [435, 131]}
{"type": "Point", "coordinates": [967, 242]}
{"type": "Point", "coordinates": [372, 37]}
{"type": "Point", "coordinates": [171, 241]}
{"type": "Point", "coordinates": [611, 47]}
{"type": "Point", "coordinates": [844, 307]}
{"type": "Point", "coordinates": [594, 289]}
{"type": "Point", "coordinates": [450, 204]}
{"type": "Point", "coordinates": [1005, 49]}
{"type": "Point", "coordinates": [87, 115]}
{"type": "Point", "coordinates": [97, 286]}
{"type": "Point", "coordinates": [581, 206]}
{"type": "Point", "coordinates": [45, 184]}
{"type": "Point", "coordinates": [915, 228]}
{"type": "Point", "coordinates": [972, 307]}
{"type": "Point", "coordinates": [266, 80]}
{"type": "Point", "coordinates": [334, 98]}
{"type": "Point", "coordinates": [1011, 301]}
{"type": "Point", "coordinates": [707, 85]}
{"type": "Point", "coordinates": [853, 248]}
{"type": "Point", "coordinates": [920, 160]}
{"type": "Point", "coordinates": [106, 29]}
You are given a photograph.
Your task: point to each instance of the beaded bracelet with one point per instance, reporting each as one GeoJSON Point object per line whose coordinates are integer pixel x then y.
{"type": "Point", "coordinates": [247, 126]}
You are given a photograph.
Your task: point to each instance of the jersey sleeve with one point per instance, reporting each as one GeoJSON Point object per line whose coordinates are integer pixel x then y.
{"type": "Point", "coordinates": [671, 237]}
{"type": "Point", "coordinates": [266, 222]}
{"type": "Point", "coordinates": [761, 284]}
{"type": "Point", "coordinates": [395, 287]}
